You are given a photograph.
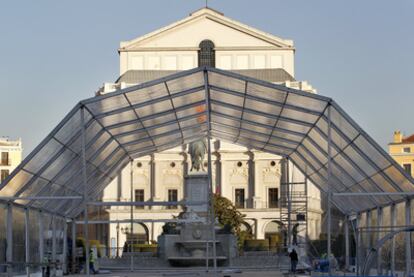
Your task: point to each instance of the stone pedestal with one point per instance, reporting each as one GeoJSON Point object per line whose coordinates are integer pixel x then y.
{"type": "Point", "coordinates": [191, 243]}
{"type": "Point", "coordinates": [196, 190]}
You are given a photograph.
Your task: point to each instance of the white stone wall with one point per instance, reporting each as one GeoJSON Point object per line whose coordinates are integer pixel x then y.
{"type": "Point", "coordinates": [237, 46]}
{"type": "Point", "coordinates": [256, 175]}
{"type": "Point", "coordinates": [15, 151]}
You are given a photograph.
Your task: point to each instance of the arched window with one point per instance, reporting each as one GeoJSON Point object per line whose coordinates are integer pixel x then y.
{"type": "Point", "coordinates": [206, 54]}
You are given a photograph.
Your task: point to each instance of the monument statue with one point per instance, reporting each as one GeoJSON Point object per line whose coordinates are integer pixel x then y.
{"type": "Point", "coordinates": [197, 151]}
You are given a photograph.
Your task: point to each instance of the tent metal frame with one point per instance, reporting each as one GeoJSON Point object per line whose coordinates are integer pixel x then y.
{"type": "Point", "coordinates": [101, 135]}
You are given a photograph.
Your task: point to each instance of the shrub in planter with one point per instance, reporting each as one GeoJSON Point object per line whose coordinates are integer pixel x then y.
{"type": "Point", "coordinates": [256, 245]}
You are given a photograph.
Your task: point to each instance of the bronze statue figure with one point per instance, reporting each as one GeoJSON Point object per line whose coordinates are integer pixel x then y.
{"type": "Point", "coordinates": [197, 151]}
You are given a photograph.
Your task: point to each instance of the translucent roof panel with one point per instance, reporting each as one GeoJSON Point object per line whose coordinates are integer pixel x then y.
{"type": "Point", "coordinates": [118, 127]}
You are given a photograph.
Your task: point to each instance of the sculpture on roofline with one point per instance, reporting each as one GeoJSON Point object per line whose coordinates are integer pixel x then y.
{"type": "Point", "coordinates": [197, 151]}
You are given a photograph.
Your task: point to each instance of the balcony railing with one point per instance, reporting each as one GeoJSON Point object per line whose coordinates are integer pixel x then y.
{"type": "Point", "coordinates": [250, 204]}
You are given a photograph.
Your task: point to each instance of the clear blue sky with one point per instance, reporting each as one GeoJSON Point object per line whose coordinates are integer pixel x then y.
{"type": "Point", "coordinates": [55, 53]}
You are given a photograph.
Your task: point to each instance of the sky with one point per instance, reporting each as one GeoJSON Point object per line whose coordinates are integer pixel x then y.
{"type": "Point", "coordinates": [55, 53]}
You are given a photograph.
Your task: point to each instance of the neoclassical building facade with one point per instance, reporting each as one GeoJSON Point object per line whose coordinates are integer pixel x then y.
{"type": "Point", "coordinates": [10, 156]}
{"type": "Point", "coordinates": [251, 179]}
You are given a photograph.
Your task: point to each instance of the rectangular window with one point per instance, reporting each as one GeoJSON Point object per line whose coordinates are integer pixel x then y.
{"type": "Point", "coordinates": [239, 194]}
{"type": "Point", "coordinates": [172, 197]}
{"type": "Point", "coordinates": [4, 173]}
{"type": "Point", "coordinates": [406, 150]}
{"type": "Point", "coordinates": [139, 197]}
{"type": "Point", "coordinates": [407, 168]}
{"type": "Point", "coordinates": [4, 158]}
{"type": "Point", "coordinates": [273, 198]}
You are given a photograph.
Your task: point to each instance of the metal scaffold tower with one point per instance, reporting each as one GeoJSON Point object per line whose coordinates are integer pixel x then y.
{"type": "Point", "coordinates": [294, 207]}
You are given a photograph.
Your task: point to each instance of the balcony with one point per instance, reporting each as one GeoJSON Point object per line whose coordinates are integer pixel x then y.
{"type": "Point", "coordinates": [249, 204]}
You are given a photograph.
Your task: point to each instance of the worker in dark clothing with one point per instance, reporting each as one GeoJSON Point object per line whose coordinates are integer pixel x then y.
{"type": "Point", "coordinates": [92, 262]}
{"type": "Point", "coordinates": [293, 260]}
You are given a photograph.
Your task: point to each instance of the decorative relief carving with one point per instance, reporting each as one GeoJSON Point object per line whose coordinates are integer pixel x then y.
{"type": "Point", "coordinates": [271, 174]}
{"type": "Point", "coordinates": [173, 176]}
{"type": "Point", "coordinates": [141, 176]}
{"type": "Point", "coordinates": [142, 171]}
{"type": "Point", "coordinates": [239, 174]}
{"type": "Point", "coordinates": [173, 171]}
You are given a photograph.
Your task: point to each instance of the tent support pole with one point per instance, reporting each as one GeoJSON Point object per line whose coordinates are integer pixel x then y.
{"type": "Point", "coordinates": [289, 203]}
{"type": "Point", "coordinates": [26, 240]}
{"type": "Point", "coordinates": [9, 238]}
{"type": "Point", "coordinates": [379, 250]}
{"type": "Point", "coordinates": [73, 245]}
{"type": "Point", "coordinates": [85, 192]}
{"type": "Point", "coordinates": [131, 173]}
{"type": "Point", "coordinates": [329, 250]}
{"type": "Point", "coordinates": [408, 238]}
{"type": "Point", "coordinates": [54, 244]}
{"type": "Point", "coordinates": [367, 233]}
{"type": "Point", "coordinates": [393, 223]}
{"type": "Point", "coordinates": [209, 170]}
{"type": "Point", "coordinates": [346, 227]}
{"type": "Point", "coordinates": [65, 247]}
{"type": "Point", "coordinates": [358, 244]}
{"type": "Point", "coordinates": [41, 239]}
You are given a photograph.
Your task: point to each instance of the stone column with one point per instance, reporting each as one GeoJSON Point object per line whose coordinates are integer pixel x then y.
{"type": "Point", "coordinates": [153, 181]}
{"type": "Point", "coordinates": [260, 227]}
{"type": "Point", "coordinates": [225, 188]}
{"type": "Point", "coordinates": [257, 200]}
{"type": "Point", "coordinates": [218, 177]}
{"type": "Point", "coordinates": [251, 180]}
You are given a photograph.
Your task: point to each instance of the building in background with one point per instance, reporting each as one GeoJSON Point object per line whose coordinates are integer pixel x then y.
{"type": "Point", "coordinates": [10, 156]}
{"type": "Point", "coordinates": [402, 150]}
{"type": "Point", "coordinates": [251, 179]}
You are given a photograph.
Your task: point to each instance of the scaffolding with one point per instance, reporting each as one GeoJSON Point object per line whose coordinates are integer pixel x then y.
{"type": "Point", "coordinates": [294, 207]}
{"type": "Point", "coordinates": [66, 174]}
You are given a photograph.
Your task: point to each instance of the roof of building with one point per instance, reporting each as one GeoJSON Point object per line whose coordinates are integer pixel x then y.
{"type": "Point", "coordinates": [217, 17]}
{"type": "Point", "coordinates": [272, 75]}
{"type": "Point", "coordinates": [409, 139]}
{"type": "Point", "coordinates": [4, 141]}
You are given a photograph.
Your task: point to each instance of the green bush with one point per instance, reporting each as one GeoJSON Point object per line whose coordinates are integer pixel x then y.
{"type": "Point", "coordinates": [80, 242]}
{"type": "Point", "coordinates": [144, 248]}
{"type": "Point", "coordinates": [149, 248]}
{"type": "Point", "coordinates": [256, 245]}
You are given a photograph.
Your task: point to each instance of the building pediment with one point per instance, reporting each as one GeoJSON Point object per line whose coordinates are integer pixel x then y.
{"type": "Point", "coordinates": [206, 24]}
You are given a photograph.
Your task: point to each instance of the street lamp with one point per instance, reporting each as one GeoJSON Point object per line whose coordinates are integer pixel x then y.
{"type": "Point", "coordinates": [126, 231]}
{"type": "Point", "coordinates": [117, 240]}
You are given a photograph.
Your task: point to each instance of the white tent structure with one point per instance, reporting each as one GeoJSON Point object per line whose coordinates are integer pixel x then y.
{"type": "Point", "coordinates": [78, 159]}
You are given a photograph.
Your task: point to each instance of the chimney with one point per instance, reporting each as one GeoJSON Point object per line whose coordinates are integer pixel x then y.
{"type": "Point", "coordinates": [398, 136]}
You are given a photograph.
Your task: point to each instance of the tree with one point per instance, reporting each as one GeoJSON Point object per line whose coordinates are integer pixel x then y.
{"type": "Point", "coordinates": [229, 217]}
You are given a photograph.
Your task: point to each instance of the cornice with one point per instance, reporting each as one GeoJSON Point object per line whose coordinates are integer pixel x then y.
{"type": "Point", "coordinates": [223, 48]}
{"type": "Point", "coordinates": [214, 16]}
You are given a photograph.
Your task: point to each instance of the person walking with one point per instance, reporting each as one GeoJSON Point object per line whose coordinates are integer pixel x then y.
{"type": "Point", "coordinates": [92, 262]}
{"type": "Point", "coordinates": [293, 260]}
